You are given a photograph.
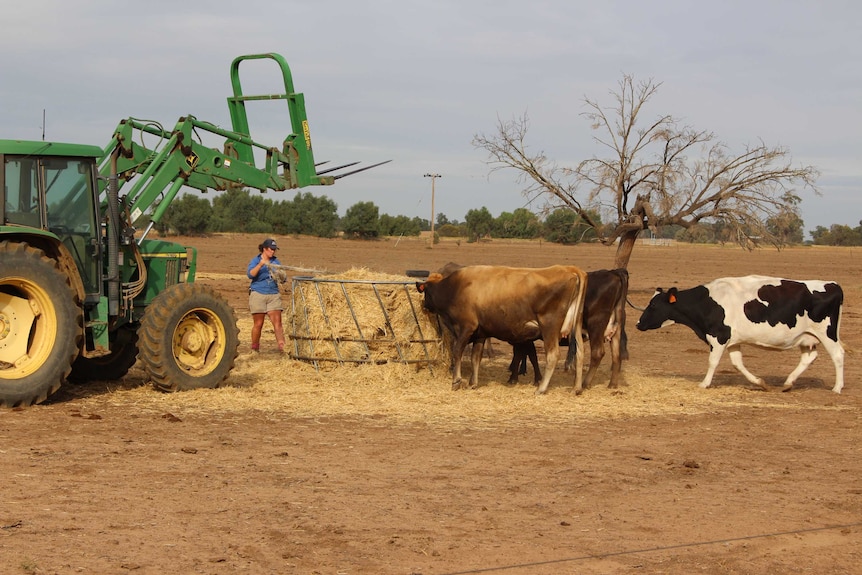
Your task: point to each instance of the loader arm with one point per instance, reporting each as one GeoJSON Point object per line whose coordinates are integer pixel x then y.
{"type": "Point", "coordinates": [179, 158]}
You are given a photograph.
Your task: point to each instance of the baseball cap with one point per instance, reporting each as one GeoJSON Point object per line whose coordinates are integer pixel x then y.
{"type": "Point", "coordinates": [270, 243]}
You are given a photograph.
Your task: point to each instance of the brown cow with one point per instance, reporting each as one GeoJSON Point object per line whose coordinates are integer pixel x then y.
{"type": "Point", "coordinates": [522, 351]}
{"type": "Point", "coordinates": [510, 304]}
{"type": "Point", "coordinates": [603, 321]}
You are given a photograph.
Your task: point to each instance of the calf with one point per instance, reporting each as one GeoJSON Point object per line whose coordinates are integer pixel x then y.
{"type": "Point", "coordinates": [521, 352]}
{"type": "Point", "coordinates": [769, 312]}
{"type": "Point", "coordinates": [603, 320]}
{"type": "Point", "coordinates": [511, 304]}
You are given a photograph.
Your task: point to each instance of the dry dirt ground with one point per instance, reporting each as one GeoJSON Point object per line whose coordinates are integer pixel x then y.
{"type": "Point", "coordinates": [114, 477]}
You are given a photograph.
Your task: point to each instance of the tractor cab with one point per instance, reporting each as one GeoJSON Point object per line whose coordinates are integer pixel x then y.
{"type": "Point", "coordinates": [49, 187]}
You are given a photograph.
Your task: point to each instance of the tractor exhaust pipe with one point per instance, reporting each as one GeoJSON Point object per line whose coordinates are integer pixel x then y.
{"type": "Point", "coordinates": [114, 237]}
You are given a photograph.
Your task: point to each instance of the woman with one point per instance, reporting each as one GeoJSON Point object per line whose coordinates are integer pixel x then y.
{"type": "Point", "coordinates": [264, 297]}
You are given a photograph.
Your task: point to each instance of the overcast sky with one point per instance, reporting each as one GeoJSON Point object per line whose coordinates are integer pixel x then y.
{"type": "Point", "coordinates": [414, 82]}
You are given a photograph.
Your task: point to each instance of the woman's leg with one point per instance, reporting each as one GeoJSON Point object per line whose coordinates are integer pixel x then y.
{"type": "Point", "coordinates": [256, 329]}
{"type": "Point", "coordinates": [275, 318]}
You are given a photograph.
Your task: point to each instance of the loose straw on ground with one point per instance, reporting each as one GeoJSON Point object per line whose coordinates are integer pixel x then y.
{"type": "Point", "coordinates": [276, 386]}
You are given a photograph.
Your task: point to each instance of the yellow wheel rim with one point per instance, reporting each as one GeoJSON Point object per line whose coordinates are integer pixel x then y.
{"type": "Point", "coordinates": [28, 327]}
{"type": "Point", "coordinates": [199, 342]}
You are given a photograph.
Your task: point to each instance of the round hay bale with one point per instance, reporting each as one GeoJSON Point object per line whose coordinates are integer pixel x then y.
{"type": "Point", "coordinates": [362, 317]}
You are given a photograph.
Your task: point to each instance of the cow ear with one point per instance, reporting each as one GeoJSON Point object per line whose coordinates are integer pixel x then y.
{"type": "Point", "coordinates": [420, 287]}
{"type": "Point", "coordinates": [671, 295]}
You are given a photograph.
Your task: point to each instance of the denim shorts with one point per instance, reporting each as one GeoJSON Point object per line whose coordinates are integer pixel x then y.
{"type": "Point", "coordinates": [263, 303]}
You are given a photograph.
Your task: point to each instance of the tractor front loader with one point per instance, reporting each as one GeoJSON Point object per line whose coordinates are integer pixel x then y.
{"type": "Point", "coordinates": [84, 294]}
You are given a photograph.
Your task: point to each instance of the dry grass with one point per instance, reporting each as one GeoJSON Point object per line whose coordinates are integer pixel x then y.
{"type": "Point", "coordinates": [277, 386]}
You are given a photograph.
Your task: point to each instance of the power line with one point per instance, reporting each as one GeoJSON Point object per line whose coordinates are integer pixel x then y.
{"type": "Point", "coordinates": [651, 549]}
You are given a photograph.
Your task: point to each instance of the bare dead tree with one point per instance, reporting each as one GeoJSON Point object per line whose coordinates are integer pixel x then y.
{"type": "Point", "coordinates": [656, 174]}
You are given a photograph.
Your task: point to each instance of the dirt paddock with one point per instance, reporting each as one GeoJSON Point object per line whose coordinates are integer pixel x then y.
{"type": "Point", "coordinates": [384, 470]}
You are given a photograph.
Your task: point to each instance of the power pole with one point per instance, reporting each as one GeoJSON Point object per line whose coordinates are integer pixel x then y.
{"type": "Point", "coordinates": [433, 179]}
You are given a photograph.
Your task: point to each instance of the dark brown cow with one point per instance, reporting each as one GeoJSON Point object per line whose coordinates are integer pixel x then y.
{"type": "Point", "coordinates": [603, 321]}
{"type": "Point", "coordinates": [511, 304]}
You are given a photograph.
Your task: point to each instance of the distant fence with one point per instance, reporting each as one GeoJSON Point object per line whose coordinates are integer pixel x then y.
{"type": "Point", "coordinates": [656, 241]}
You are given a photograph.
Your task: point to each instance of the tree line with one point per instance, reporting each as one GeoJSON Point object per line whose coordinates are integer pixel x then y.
{"type": "Point", "coordinates": [241, 211]}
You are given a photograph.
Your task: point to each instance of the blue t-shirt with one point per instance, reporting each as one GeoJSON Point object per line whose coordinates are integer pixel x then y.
{"type": "Point", "coordinates": [263, 283]}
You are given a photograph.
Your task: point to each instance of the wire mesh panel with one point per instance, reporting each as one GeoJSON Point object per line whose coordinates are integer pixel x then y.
{"type": "Point", "coordinates": [361, 321]}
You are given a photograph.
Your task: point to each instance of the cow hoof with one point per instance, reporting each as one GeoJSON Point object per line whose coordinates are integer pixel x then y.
{"type": "Point", "coordinates": [456, 386]}
{"type": "Point", "coordinates": [786, 388]}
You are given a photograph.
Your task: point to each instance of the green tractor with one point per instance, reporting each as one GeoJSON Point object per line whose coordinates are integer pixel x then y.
{"type": "Point", "coordinates": [84, 294]}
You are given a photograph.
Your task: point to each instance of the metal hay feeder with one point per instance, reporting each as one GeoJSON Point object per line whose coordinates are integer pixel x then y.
{"type": "Point", "coordinates": [349, 321]}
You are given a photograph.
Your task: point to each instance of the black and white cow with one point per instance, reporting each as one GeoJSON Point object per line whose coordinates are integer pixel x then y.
{"type": "Point", "coordinates": [768, 312]}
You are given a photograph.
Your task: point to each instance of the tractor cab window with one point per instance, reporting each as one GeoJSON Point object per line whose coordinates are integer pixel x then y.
{"type": "Point", "coordinates": [71, 213]}
{"type": "Point", "coordinates": [57, 194]}
{"type": "Point", "coordinates": [69, 195]}
{"type": "Point", "coordinates": [22, 192]}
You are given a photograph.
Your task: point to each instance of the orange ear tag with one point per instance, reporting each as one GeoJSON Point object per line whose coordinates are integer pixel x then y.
{"type": "Point", "coordinates": [672, 298]}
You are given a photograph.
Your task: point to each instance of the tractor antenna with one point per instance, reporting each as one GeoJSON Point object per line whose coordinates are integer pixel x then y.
{"type": "Point", "coordinates": [43, 124]}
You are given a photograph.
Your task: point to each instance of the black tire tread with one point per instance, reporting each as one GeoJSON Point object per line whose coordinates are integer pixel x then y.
{"type": "Point", "coordinates": [110, 367]}
{"type": "Point", "coordinates": [156, 332]}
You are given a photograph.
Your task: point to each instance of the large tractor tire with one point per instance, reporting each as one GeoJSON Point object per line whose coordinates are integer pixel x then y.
{"type": "Point", "coordinates": [40, 325]}
{"type": "Point", "coordinates": [124, 354]}
{"type": "Point", "coordinates": [188, 338]}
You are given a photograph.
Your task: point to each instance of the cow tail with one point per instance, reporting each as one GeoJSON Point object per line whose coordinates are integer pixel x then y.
{"type": "Point", "coordinates": [576, 336]}
{"type": "Point", "coordinates": [581, 296]}
{"type": "Point", "coordinates": [624, 284]}
{"type": "Point", "coordinates": [575, 305]}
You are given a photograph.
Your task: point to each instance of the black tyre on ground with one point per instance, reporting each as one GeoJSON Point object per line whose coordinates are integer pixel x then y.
{"type": "Point", "coordinates": [123, 356]}
{"type": "Point", "coordinates": [188, 338]}
{"type": "Point", "coordinates": [40, 325]}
